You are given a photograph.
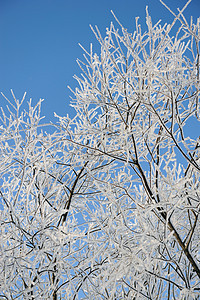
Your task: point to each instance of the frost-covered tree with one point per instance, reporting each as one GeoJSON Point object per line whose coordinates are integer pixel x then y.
{"type": "Point", "coordinates": [107, 206]}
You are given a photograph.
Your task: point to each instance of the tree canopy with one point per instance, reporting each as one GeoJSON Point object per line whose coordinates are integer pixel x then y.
{"type": "Point", "coordinates": [106, 205]}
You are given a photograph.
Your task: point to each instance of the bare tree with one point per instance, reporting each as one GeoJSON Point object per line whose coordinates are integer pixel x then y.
{"type": "Point", "coordinates": [107, 207]}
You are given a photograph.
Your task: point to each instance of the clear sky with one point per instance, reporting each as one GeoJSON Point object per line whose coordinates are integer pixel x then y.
{"type": "Point", "coordinates": [39, 42]}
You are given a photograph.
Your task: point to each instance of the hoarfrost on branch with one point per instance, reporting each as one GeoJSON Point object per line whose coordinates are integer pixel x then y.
{"type": "Point", "coordinates": [107, 206]}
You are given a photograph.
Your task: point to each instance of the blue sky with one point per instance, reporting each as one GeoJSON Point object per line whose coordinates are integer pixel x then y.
{"type": "Point", "coordinates": [39, 42]}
